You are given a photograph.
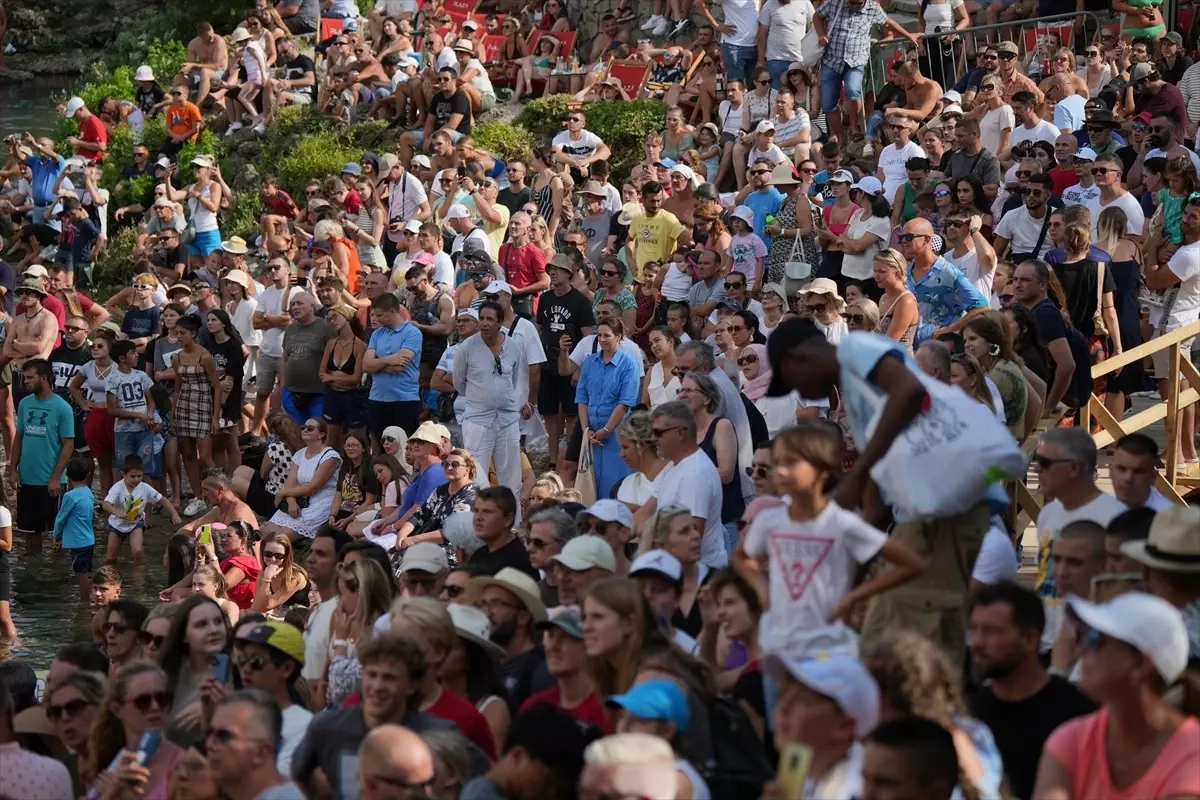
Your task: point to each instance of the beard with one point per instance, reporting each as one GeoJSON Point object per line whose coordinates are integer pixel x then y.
{"type": "Point", "coordinates": [997, 669]}
{"type": "Point", "coordinates": [504, 633]}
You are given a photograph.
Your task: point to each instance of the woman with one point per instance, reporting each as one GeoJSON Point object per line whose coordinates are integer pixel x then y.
{"type": "Point", "coordinates": [1088, 288]}
{"type": "Point", "coordinates": [774, 305]}
{"type": "Point", "coordinates": [542, 239]}
{"type": "Point", "coordinates": [1027, 343]}
{"type": "Point", "coordinates": [547, 189]}
{"type": "Point", "coordinates": [366, 230]}
{"type": "Point", "coordinates": [661, 385]}
{"type": "Point", "coordinates": [1063, 79]}
{"type": "Point", "coordinates": [258, 487]}
{"type": "Point", "coordinates": [862, 315]}
{"type": "Point", "coordinates": [711, 234]}
{"type": "Point", "coordinates": [229, 358]}
{"type": "Point", "coordinates": [996, 127]}
{"type": "Point", "coordinates": [1112, 236]}
{"type": "Point", "coordinates": [392, 480]}
{"type": "Point", "coordinates": [357, 488]}
{"type": "Point", "coordinates": [1095, 71]}
{"type": "Point", "coordinates": [777, 412]}
{"type": "Point", "coordinates": [611, 288]}
{"type": "Point", "coordinates": [240, 307]}
{"type": "Point", "coordinates": [155, 629]}
{"type": "Point", "coordinates": [868, 233]}
{"type": "Point", "coordinates": [825, 307]}
{"type": "Point", "coordinates": [203, 201]}
{"type": "Point", "coordinates": [937, 55]}
{"type": "Point", "coordinates": [792, 231]}
{"type": "Point", "coordinates": [136, 701]}
{"type": "Point", "coordinates": [160, 365]}
{"type": "Point", "coordinates": [743, 329]}
{"type": "Point", "coordinates": [306, 499]}
{"type": "Point", "coordinates": [966, 374]}
{"type": "Point", "coordinates": [716, 437]}
{"type": "Point", "coordinates": [618, 628]}
{"type": "Point", "coordinates": [512, 50]}
{"type": "Point", "coordinates": [196, 404]}
{"type": "Point", "coordinates": [834, 222]}
{"type": "Point", "coordinates": [898, 312]}
{"type": "Point", "coordinates": [553, 18]}
{"type": "Point", "coordinates": [639, 450]}
{"type": "Point", "coordinates": [199, 636]}
{"type": "Point", "coordinates": [915, 677]}
{"type": "Point", "coordinates": [1139, 744]}
{"type": "Point", "coordinates": [365, 593]}
{"type": "Point", "coordinates": [891, 171]}
{"type": "Point", "coordinates": [72, 705]}
{"type": "Point", "coordinates": [281, 577]}
{"type": "Point", "coordinates": [985, 340]}
{"type": "Point", "coordinates": [677, 139]}
{"type": "Point", "coordinates": [935, 149]}
{"type": "Point", "coordinates": [674, 530]}
{"type": "Point", "coordinates": [737, 610]}
{"type": "Point", "coordinates": [240, 567]}
{"type": "Point", "coordinates": [207, 580]}
{"type": "Point", "coordinates": [455, 495]}
{"type": "Point", "coordinates": [341, 371]}
{"type": "Point", "coordinates": [607, 389]}
{"type": "Point", "coordinates": [98, 425]}
{"type": "Point", "coordinates": [470, 668]}
{"type": "Point", "coordinates": [969, 192]}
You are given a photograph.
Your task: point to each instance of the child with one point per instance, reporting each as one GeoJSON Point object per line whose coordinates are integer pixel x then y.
{"type": "Point", "coordinates": [814, 548]}
{"type": "Point", "coordinates": [746, 248]}
{"type": "Point", "coordinates": [126, 506]}
{"type": "Point", "coordinates": [73, 525]}
{"type": "Point", "coordinates": [708, 143]}
{"type": "Point", "coordinates": [1181, 183]}
{"type": "Point", "coordinates": [106, 587]}
{"type": "Point", "coordinates": [130, 404]}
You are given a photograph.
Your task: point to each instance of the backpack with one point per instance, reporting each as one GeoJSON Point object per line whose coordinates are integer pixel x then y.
{"type": "Point", "coordinates": [725, 750]}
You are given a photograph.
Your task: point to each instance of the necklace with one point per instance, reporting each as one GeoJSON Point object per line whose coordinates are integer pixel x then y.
{"type": "Point", "coordinates": [31, 318]}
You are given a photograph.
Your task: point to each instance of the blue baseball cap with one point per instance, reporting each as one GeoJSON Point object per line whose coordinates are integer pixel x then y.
{"type": "Point", "coordinates": [660, 700]}
{"type": "Point", "coordinates": [665, 162]}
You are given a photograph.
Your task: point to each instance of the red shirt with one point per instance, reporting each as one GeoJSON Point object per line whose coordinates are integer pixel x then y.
{"type": "Point", "coordinates": [471, 723]}
{"type": "Point", "coordinates": [281, 204]}
{"type": "Point", "coordinates": [353, 203]}
{"type": "Point", "coordinates": [92, 130]}
{"type": "Point", "coordinates": [523, 266]}
{"type": "Point", "coordinates": [591, 711]}
{"type": "Point", "coordinates": [1064, 178]}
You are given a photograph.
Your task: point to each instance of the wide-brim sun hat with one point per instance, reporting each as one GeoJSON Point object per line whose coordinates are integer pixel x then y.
{"type": "Point", "coordinates": [1173, 544]}
{"type": "Point", "coordinates": [239, 277]}
{"type": "Point", "coordinates": [825, 286]}
{"type": "Point", "coordinates": [512, 580]}
{"type": "Point", "coordinates": [784, 175]}
{"type": "Point", "coordinates": [143, 73]}
{"type": "Point", "coordinates": [472, 624]}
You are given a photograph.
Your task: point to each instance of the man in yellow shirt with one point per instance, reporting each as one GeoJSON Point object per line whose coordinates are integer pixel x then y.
{"type": "Point", "coordinates": [655, 234]}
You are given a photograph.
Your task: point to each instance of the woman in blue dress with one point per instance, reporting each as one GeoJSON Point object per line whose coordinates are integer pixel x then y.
{"type": "Point", "coordinates": [608, 388]}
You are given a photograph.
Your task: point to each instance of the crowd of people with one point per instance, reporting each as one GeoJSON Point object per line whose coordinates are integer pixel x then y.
{"type": "Point", "coordinates": [783, 372]}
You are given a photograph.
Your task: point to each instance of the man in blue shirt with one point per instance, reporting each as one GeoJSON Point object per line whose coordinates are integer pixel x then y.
{"type": "Point", "coordinates": [762, 198]}
{"type": "Point", "coordinates": [44, 443]}
{"type": "Point", "coordinates": [393, 358]}
{"type": "Point", "coordinates": [46, 165]}
{"type": "Point", "coordinates": [944, 294]}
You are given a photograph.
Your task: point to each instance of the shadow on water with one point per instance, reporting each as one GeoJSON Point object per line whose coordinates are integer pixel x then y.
{"type": "Point", "coordinates": [29, 106]}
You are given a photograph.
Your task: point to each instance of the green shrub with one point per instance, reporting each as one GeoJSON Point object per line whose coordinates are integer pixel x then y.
{"type": "Point", "coordinates": [624, 128]}
{"type": "Point", "coordinates": [242, 219]}
{"type": "Point", "coordinates": [544, 116]}
{"type": "Point", "coordinates": [507, 142]}
{"type": "Point", "coordinates": [314, 157]}
{"type": "Point", "coordinates": [115, 267]}
{"type": "Point", "coordinates": [164, 57]}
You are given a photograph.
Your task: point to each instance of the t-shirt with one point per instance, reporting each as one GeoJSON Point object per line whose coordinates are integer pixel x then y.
{"type": "Point", "coordinates": [764, 203]}
{"type": "Point", "coordinates": [1080, 195]}
{"type": "Point", "coordinates": [1023, 230]}
{"type": "Point", "coordinates": [812, 566]}
{"type": "Point", "coordinates": [92, 131]}
{"type": "Point", "coordinates": [656, 238]}
{"type": "Point", "coordinates": [523, 266]}
{"type": "Point", "coordinates": [568, 314]}
{"type": "Point", "coordinates": [140, 323]}
{"type": "Point", "coordinates": [1167, 102]}
{"type": "Point", "coordinates": [584, 147]}
{"type": "Point", "coordinates": [590, 712]}
{"type": "Point", "coordinates": [1127, 203]}
{"type": "Point", "coordinates": [393, 387]}
{"type": "Point", "coordinates": [514, 201]}
{"type": "Point", "coordinates": [181, 117]}
{"type": "Point", "coordinates": [513, 554]}
{"type": "Point", "coordinates": [304, 346]}
{"type": "Point", "coordinates": [1080, 746]}
{"type": "Point", "coordinates": [65, 362]}
{"type": "Point", "coordinates": [1078, 281]}
{"type": "Point", "coordinates": [270, 302]}
{"type": "Point", "coordinates": [1043, 131]}
{"type": "Point", "coordinates": [132, 503]}
{"type": "Point", "coordinates": [130, 390]}
{"type": "Point", "coordinates": [1020, 728]}
{"type": "Point", "coordinates": [858, 265]}
{"type": "Point", "coordinates": [147, 98]}
{"type": "Point", "coordinates": [983, 165]}
{"type": "Point", "coordinates": [1185, 307]}
{"type": "Point", "coordinates": [743, 16]}
{"type": "Point", "coordinates": [891, 162]}
{"type": "Point", "coordinates": [443, 106]}
{"type": "Point", "coordinates": [745, 252]}
{"type": "Point", "coordinates": [786, 26]}
{"type": "Point", "coordinates": [309, 13]}
{"type": "Point", "coordinates": [694, 483]}
{"type": "Point", "coordinates": [997, 559]}
{"type": "Point", "coordinates": [42, 425]}
{"type": "Point", "coordinates": [471, 723]}
{"type": "Point", "coordinates": [524, 675]}
{"type": "Point", "coordinates": [295, 70]}
{"type": "Point", "coordinates": [992, 126]}
{"type": "Point", "coordinates": [316, 639]}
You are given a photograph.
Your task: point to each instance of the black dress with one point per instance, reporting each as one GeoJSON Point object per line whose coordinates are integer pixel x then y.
{"type": "Point", "coordinates": [733, 505]}
{"type": "Point", "coordinates": [1127, 277]}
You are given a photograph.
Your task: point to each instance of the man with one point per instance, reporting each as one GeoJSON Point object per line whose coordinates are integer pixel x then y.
{"type": "Point", "coordinates": [92, 141]}
{"type": "Point", "coordinates": [271, 660]}
{"type": "Point", "coordinates": [706, 294]}
{"type": "Point", "coordinates": [525, 333]}
{"type": "Point", "coordinates": [564, 317]}
{"type": "Point", "coordinates": [207, 60]}
{"type": "Point", "coordinates": [655, 234]}
{"type": "Point", "coordinates": [45, 166]}
{"type": "Point", "coordinates": [793, 128]}
{"type": "Point", "coordinates": [321, 565]}
{"type": "Point", "coordinates": [1168, 557]}
{"type": "Point", "coordinates": [566, 661]}
{"type": "Point", "coordinates": [183, 120]}
{"type": "Point", "coordinates": [691, 481]}
{"type": "Point", "coordinates": [303, 348]}
{"type": "Point", "coordinates": [272, 319]}
{"type": "Point", "coordinates": [466, 325]}
{"type": "Point", "coordinates": [944, 295]}
{"type": "Point", "coordinates": [550, 528]}
{"type": "Point", "coordinates": [739, 35]}
{"type": "Point", "coordinates": [441, 270]}
{"type": "Point", "coordinates": [516, 194]}
{"type": "Point", "coordinates": [216, 490]}
{"type": "Point", "coordinates": [970, 159]}
{"type": "Point", "coordinates": [1011, 79]}
{"type": "Point", "coordinates": [1031, 288]}
{"type": "Point", "coordinates": [828, 705]}
{"type": "Point", "coordinates": [1019, 701]}
{"type": "Point", "coordinates": [488, 370]}
{"type": "Point", "coordinates": [542, 759]}
{"type": "Point", "coordinates": [1180, 275]}
{"type": "Point", "coordinates": [1154, 95]}
{"type": "Point", "coordinates": [300, 16]}
{"type": "Point", "coordinates": [1078, 555]}
{"type": "Point", "coordinates": [393, 763]}
{"type": "Point", "coordinates": [1064, 173]}
{"type": "Point", "coordinates": [32, 333]}
{"type": "Point", "coordinates": [512, 603]}
{"type": "Point", "coordinates": [524, 264]}
{"type": "Point", "coordinates": [1085, 189]}
{"type": "Point", "coordinates": [910, 757]}
{"type": "Point", "coordinates": [44, 445]}
{"type": "Point", "coordinates": [495, 514]}
{"type": "Point", "coordinates": [432, 313]}
{"type": "Point", "coordinates": [65, 361]}
{"type": "Point", "coordinates": [583, 561]}
{"type": "Point", "coordinates": [578, 147]}
{"type": "Point", "coordinates": [1189, 87]}
{"type": "Point", "coordinates": [27, 775]}
{"type": "Point", "coordinates": [1026, 229]}
{"type": "Point", "coordinates": [1133, 471]}
{"type": "Point", "coordinates": [393, 669]}
{"type": "Point", "coordinates": [597, 235]}
{"type": "Point", "coordinates": [765, 200]}
{"type": "Point", "coordinates": [458, 221]}
{"type": "Point", "coordinates": [969, 249]}
{"type": "Point", "coordinates": [921, 94]}
{"type": "Point", "coordinates": [629, 765]}
{"type": "Point", "coordinates": [449, 110]}
{"type": "Point", "coordinates": [1032, 128]}
{"type": "Point", "coordinates": [612, 521]}
{"type": "Point", "coordinates": [934, 359]}
{"type": "Point", "coordinates": [1100, 136]}
{"type": "Point", "coordinates": [391, 358]}
{"type": "Point", "coordinates": [298, 85]}
{"type": "Point", "coordinates": [423, 570]}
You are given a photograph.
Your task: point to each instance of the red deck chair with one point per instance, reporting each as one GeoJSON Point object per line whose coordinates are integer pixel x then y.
{"type": "Point", "coordinates": [631, 74]}
{"type": "Point", "coordinates": [330, 27]}
{"type": "Point", "coordinates": [566, 42]}
{"type": "Point", "coordinates": [461, 8]}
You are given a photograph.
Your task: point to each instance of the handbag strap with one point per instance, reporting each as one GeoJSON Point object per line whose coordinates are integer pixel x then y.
{"type": "Point", "coordinates": [1037, 248]}
{"type": "Point", "coordinates": [1100, 289]}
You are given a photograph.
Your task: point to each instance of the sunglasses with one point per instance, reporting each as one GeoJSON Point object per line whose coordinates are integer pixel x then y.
{"type": "Point", "coordinates": [987, 88]}
{"type": "Point", "coordinates": [1140, 127]}
{"type": "Point", "coordinates": [117, 628]}
{"type": "Point", "coordinates": [1091, 53]}
{"type": "Point", "coordinates": [309, 428]}
{"type": "Point", "coordinates": [942, 193]}
{"type": "Point", "coordinates": [761, 171]}
{"type": "Point", "coordinates": [256, 663]}
{"type": "Point", "coordinates": [142, 287]}
{"type": "Point", "coordinates": [68, 710]}
{"type": "Point", "coordinates": [988, 57]}
{"type": "Point", "coordinates": [759, 471]}
{"type": "Point", "coordinates": [818, 308]}
{"type": "Point", "coordinates": [1005, 299]}
{"type": "Point", "coordinates": [750, 359]}
{"type": "Point", "coordinates": [75, 329]}
{"type": "Point", "coordinates": [148, 640]}
{"type": "Point", "coordinates": [455, 464]}
{"type": "Point", "coordinates": [857, 319]}
{"type": "Point", "coordinates": [908, 237]}
{"type": "Point", "coordinates": [763, 83]}
{"type": "Point", "coordinates": [143, 702]}
{"type": "Point", "coordinates": [1045, 462]}
{"type": "Point", "coordinates": [454, 591]}
{"type": "Point", "coordinates": [661, 432]}
{"type": "Point", "coordinates": [273, 555]}
{"type": "Point", "coordinates": [1007, 56]}
{"type": "Point", "coordinates": [1098, 128]}
{"type": "Point", "coordinates": [539, 544]}
{"type": "Point", "coordinates": [610, 273]}
{"type": "Point", "coordinates": [1101, 170]}
{"type": "Point", "coordinates": [738, 285]}
{"type": "Point", "coordinates": [1024, 173]}
{"type": "Point", "coordinates": [955, 223]}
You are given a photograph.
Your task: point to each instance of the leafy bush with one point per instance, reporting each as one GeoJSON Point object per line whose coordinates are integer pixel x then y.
{"type": "Point", "coordinates": [623, 126]}
{"type": "Point", "coordinates": [242, 219]}
{"type": "Point", "coordinates": [115, 267]}
{"type": "Point", "coordinates": [314, 157]}
{"type": "Point", "coordinates": [543, 117]}
{"type": "Point", "coordinates": [506, 142]}
{"type": "Point", "coordinates": [165, 57]}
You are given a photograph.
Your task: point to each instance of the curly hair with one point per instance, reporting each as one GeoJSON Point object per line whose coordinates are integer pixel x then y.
{"type": "Point", "coordinates": [916, 678]}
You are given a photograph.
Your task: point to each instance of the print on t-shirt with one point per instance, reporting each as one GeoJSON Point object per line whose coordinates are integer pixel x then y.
{"type": "Point", "coordinates": [800, 557]}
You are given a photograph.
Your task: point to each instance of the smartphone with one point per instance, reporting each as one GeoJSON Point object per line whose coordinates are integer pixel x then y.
{"type": "Point", "coordinates": [220, 667]}
{"type": "Point", "coordinates": [794, 763]}
{"type": "Point", "coordinates": [147, 747]}
{"type": "Point", "coordinates": [205, 536]}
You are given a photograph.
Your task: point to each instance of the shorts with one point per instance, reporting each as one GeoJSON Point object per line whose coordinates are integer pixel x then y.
{"type": "Point", "coordinates": [574, 444]}
{"type": "Point", "coordinates": [419, 136]}
{"type": "Point", "coordinates": [267, 368]}
{"type": "Point", "coordinates": [194, 76]}
{"type": "Point", "coordinates": [98, 433]}
{"type": "Point", "coordinates": [204, 243]}
{"type": "Point", "coordinates": [303, 406]}
{"type": "Point", "coordinates": [136, 443]}
{"type": "Point", "coordinates": [36, 509]}
{"type": "Point", "coordinates": [1162, 366]}
{"type": "Point", "coordinates": [833, 80]}
{"type": "Point", "coordinates": [124, 535]}
{"type": "Point", "coordinates": [487, 101]}
{"type": "Point", "coordinates": [382, 413]}
{"type": "Point", "coordinates": [348, 409]}
{"type": "Point", "coordinates": [300, 99]}
{"type": "Point", "coordinates": [81, 560]}
{"type": "Point", "coordinates": [556, 393]}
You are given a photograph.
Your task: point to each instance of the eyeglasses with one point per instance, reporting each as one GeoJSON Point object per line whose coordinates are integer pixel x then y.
{"type": "Point", "coordinates": [273, 555]}
{"type": "Point", "coordinates": [538, 544]}
{"type": "Point", "coordinates": [661, 432]}
{"type": "Point", "coordinates": [118, 628]}
{"type": "Point", "coordinates": [1045, 462]}
{"type": "Point", "coordinates": [759, 471]}
{"type": "Point", "coordinates": [68, 710]}
{"type": "Point", "coordinates": [908, 237]}
{"type": "Point", "coordinates": [942, 193]}
{"type": "Point", "coordinates": [75, 329]}
{"type": "Point", "coordinates": [148, 640]}
{"type": "Point", "coordinates": [955, 223]}
{"type": "Point", "coordinates": [454, 464]}
{"type": "Point", "coordinates": [143, 702]}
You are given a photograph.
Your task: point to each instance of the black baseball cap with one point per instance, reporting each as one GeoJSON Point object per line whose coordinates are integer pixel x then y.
{"type": "Point", "coordinates": [791, 333]}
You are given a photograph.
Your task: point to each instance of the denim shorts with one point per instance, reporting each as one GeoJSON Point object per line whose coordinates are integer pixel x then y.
{"type": "Point", "coordinates": [345, 408]}
{"type": "Point", "coordinates": [138, 443]}
{"type": "Point", "coordinates": [81, 559]}
{"type": "Point", "coordinates": [832, 81]}
{"type": "Point", "coordinates": [124, 535]}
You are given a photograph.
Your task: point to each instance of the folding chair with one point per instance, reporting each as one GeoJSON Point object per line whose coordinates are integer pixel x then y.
{"type": "Point", "coordinates": [330, 27]}
{"type": "Point", "coordinates": [631, 74]}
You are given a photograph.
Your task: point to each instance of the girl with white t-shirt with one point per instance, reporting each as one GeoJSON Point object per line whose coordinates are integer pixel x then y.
{"type": "Point", "coordinates": [996, 127]}
{"type": "Point", "coordinates": [892, 172]}
{"type": "Point", "coordinates": [814, 547]}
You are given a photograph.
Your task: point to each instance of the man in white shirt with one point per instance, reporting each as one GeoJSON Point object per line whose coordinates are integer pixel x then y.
{"type": "Point", "coordinates": [1032, 128]}
{"type": "Point", "coordinates": [739, 35]}
{"type": "Point", "coordinates": [1107, 172]}
{"type": "Point", "coordinates": [458, 219]}
{"type": "Point", "coordinates": [579, 147]}
{"type": "Point", "coordinates": [321, 565]}
{"type": "Point", "coordinates": [1133, 471]}
{"type": "Point", "coordinates": [1025, 231]}
{"type": "Point", "coordinates": [1086, 190]}
{"type": "Point", "coordinates": [271, 318]}
{"type": "Point", "coordinates": [969, 250]}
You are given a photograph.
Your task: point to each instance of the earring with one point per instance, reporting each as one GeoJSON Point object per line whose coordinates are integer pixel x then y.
{"type": "Point", "coordinates": [994, 350]}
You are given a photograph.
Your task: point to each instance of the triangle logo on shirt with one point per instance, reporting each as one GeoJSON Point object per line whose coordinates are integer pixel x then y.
{"type": "Point", "coordinates": [799, 556]}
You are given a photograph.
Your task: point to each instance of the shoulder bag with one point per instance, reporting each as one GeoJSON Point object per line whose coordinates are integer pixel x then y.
{"type": "Point", "coordinates": [585, 478]}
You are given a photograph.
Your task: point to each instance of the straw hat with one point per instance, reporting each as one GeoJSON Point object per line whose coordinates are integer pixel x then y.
{"type": "Point", "coordinates": [472, 624]}
{"type": "Point", "coordinates": [512, 580]}
{"type": "Point", "coordinates": [825, 286]}
{"type": "Point", "coordinates": [238, 277]}
{"type": "Point", "coordinates": [1173, 544]}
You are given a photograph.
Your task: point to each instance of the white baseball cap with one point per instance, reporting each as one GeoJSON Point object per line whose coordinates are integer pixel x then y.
{"type": "Point", "coordinates": [420, 160]}
{"type": "Point", "coordinates": [659, 563]}
{"type": "Point", "coordinates": [468, 312]}
{"type": "Point", "coordinates": [764, 126]}
{"type": "Point", "coordinates": [869, 184]}
{"type": "Point", "coordinates": [73, 105]}
{"type": "Point", "coordinates": [496, 287]}
{"type": "Point", "coordinates": [457, 211]}
{"type": "Point", "coordinates": [587, 552]}
{"type": "Point", "coordinates": [840, 677]}
{"type": "Point", "coordinates": [425, 557]}
{"type": "Point", "coordinates": [1086, 154]}
{"type": "Point", "coordinates": [609, 511]}
{"type": "Point", "coordinates": [952, 96]}
{"type": "Point", "coordinates": [1149, 624]}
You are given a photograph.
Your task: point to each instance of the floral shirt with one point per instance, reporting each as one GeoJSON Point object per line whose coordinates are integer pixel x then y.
{"type": "Point", "coordinates": [440, 505]}
{"type": "Point", "coordinates": [624, 299]}
{"type": "Point", "coordinates": [944, 294]}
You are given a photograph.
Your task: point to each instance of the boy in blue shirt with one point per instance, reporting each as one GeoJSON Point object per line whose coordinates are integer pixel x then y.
{"type": "Point", "coordinates": [73, 525]}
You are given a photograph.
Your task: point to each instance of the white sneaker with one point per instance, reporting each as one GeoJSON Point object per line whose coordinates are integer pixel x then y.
{"type": "Point", "coordinates": [649, 24]}
{"type": "Point", "coordinates": [233, 128]}
{"type": "Point", "coordinates": [679, 27]}
{"type": "Point", "coordinates": [195, 508]}
{"type": "Point", "coordinates": [661, 27]}
{"type": "Point", "coordinates": [260, 128]}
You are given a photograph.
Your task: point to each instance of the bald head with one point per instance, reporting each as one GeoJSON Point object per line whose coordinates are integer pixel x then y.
{"type": "Point", "coordinates": [919, 226]}
{"type": "Point", "coordinates": [392, 757]}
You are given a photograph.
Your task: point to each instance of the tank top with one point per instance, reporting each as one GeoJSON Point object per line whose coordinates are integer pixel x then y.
{"type": "Point", "coordinates": [95, 384]}
{"type": "Point", "coordinates": [732, 502]}
{"type": "Point", "coordinates": [346, 369]}
{"type": "Point", "coordinates": [371, 255]}
{"type": "Point", "coordinates": [352, 255]}
{"type": "Point", "coordinates": [202, 218]}
{"type": "Point", "coordinates": [544, 200]}
{"type": "Point", "coordinates": [885, 322]}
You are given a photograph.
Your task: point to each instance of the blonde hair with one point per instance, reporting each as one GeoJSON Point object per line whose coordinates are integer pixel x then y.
{"type": "Point", "coordinates": [980, 390]}
{"type": "Point", "coordinates": [894, 260]}
{"type": "Point", "coordinates": [639, 764]}
{"type": "Point", "coordinates": [214, 576]}
{"type": "Point", "coordinates": [569, 496]}
{"type": "Point", "coordinates": [431, 617]}
{"type": "Point", "coordinates": [551, 481]}
{"type": "Point", "coordinates": [327, 230]}
{"type": "Point", "coordinates": [468, 459]}
{"type": "Point", "coordinates": [146, 278]}
{"type": "Point", "coordinates": [375, 589]}
{"type": "Point", "coordinates": [658, 528]}
{"type": "Point", "coordinates": [870, 312]}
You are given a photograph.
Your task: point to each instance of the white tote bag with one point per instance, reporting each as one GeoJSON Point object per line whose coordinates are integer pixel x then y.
{"type": "Point", "coordinates": [947, 459]}
{"type": "Point", "coordinates": [811, 48]}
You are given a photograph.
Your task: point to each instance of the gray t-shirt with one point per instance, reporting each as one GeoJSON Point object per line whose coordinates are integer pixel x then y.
{"type": "Point", "coordinates": [597, 230]}
{"type": "Point", "coordinates": [310, 12]}
{"type": "Point", "coordinates": [482, 789]}
{"type": "Point", "coordinates": [304, 345]}
{"type": "Point", "coordinates": [700, 293]}
{"type": "Point", "coordinates": [983, 165]}
{"type": "Point", "coordinates": [282, 791]}
{"type": "Point", "coordinates": [130, 389]}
